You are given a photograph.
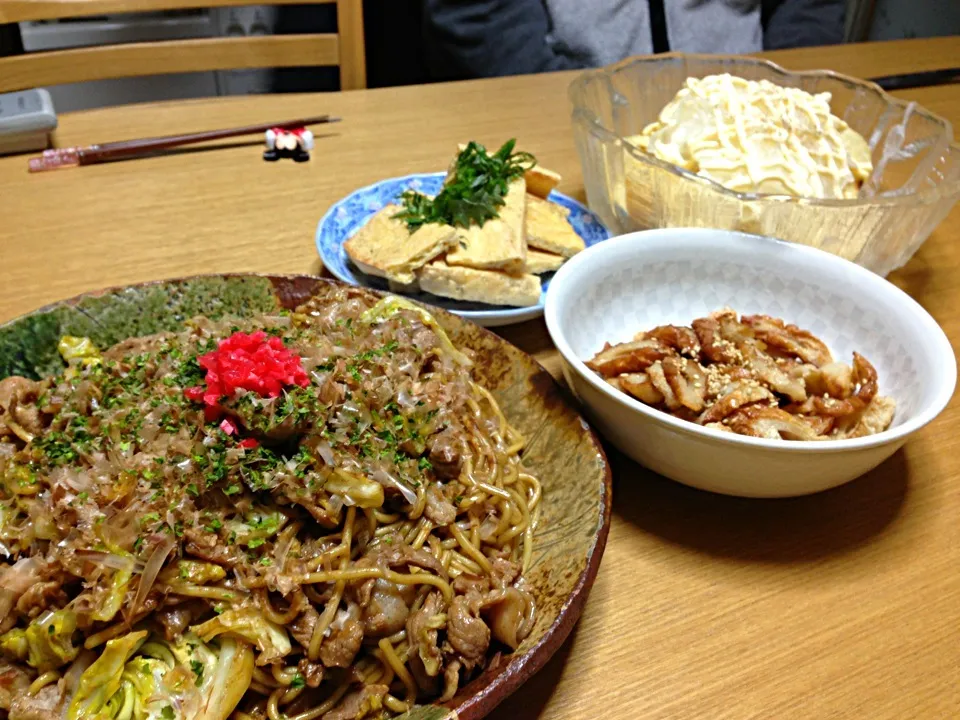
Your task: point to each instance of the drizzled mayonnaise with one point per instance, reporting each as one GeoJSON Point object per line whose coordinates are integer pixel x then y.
{"type": "Point", "coordinates": [755, 136]}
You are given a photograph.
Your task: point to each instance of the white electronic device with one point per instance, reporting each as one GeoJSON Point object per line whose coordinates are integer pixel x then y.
{"type": "Point", "coordinates": [27, 118]}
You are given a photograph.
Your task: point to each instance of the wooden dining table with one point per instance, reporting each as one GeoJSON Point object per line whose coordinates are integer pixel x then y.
{"type": "Point", "coordinates": [844, 604]}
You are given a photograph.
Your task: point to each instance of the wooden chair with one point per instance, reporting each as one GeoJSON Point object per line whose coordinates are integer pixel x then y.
{"type": "Point", "coordinates": [859, 19]}
{"type": "Point", "coordinates": [344, 48]}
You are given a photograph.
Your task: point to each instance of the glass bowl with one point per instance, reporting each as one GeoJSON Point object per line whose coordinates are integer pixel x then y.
{"type": "Point", "coordinates": [915, 182]}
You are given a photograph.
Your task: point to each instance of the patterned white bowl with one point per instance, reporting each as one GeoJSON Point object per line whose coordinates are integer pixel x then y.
{"type": "Point", "coordinates": [637, 281]}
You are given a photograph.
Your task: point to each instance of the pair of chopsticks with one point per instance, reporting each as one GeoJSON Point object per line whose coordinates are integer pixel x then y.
{"type": "Point", "coordinates": [94, 154]}
{"type": "Point", "coordinates": [927, 78]}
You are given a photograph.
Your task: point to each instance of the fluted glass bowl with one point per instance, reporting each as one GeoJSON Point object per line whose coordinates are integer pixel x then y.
{"type": "Point", "coordinates": [915, 183]}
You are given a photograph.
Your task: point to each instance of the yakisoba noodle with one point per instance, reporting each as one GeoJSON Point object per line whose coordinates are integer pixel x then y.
{"type": "Point", "coordinates": [309, 515]}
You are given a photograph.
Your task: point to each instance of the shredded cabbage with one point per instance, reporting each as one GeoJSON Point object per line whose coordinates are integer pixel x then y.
{"type": "Point", "coordinates": [137, 696]}
{"type": "Point", "coordinates": [391, 305]}
{"type": "Point", "coordinates": [193, 571]}
{"type": "Point", "coordinates": [223, 688]}
{"type": "Point", "coordinates": [14, 644]}
{"type": "Point", "coordinates": [20, 480]}
{"type": "Point", "coordinates": [103, 679]}
{"type": "Point", "coordinates": [46, 643]}
{"type": "Point", "coordinates": [111, 605]}
{"type": "Point", "coordinates": [271, 639]}
{"type": "Point", "coordinates": [137, 678]}
{"type": "Point", "coordinates": [258, 525]}
{"type": "Point", "coordinates": [355, 489]}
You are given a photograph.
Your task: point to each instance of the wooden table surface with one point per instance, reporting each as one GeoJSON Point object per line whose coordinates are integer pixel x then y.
{"type": "Point", "coordinates": [841, 605]}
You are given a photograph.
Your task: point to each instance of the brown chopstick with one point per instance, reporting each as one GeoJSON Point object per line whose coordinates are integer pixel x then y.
{"type": "Point", "coordinates": [93, 154]}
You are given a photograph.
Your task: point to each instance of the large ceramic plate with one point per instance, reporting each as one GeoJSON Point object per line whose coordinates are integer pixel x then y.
{"type": "Point", "coordinates": [344, 218]}
{"type": "Point", "coordinates": [561, 449]}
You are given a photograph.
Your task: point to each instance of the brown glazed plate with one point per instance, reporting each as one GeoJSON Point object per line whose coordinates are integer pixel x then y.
{"type": "Point", "coordinates": [561, 449]}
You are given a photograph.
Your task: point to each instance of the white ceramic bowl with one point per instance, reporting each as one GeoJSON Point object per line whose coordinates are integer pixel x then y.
{"type": "Point", "coordinates": [635, 282]}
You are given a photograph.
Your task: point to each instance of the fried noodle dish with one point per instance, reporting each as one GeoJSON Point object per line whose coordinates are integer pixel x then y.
{"type": "Point", "coordinates": [316, 514]}
{"type": "Point", "coordinates": [752, 375]}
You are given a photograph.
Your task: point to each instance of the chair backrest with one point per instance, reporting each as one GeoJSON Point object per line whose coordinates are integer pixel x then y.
{"type": "Point", "coordinates": [859, 18]}
{"type": "Point", "coordinates": [344, 48]}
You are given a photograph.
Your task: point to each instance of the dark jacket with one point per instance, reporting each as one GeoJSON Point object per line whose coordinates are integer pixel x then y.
{"type": "Point", "coordinates": [487, 38]}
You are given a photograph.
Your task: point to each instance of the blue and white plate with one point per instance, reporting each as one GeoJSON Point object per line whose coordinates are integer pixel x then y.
{"type": "Point", "coordinates": [347, 216]}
